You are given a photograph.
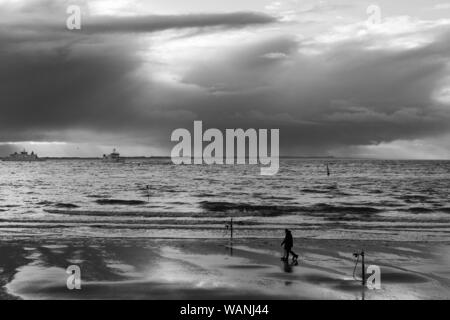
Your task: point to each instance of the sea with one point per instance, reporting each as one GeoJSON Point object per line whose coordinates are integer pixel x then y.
{"type": "Point", "coordinates": [390, 200]}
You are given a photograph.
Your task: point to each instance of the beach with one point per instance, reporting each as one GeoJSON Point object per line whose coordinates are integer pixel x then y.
{"type": "Point", "coordinates": [212, 269]}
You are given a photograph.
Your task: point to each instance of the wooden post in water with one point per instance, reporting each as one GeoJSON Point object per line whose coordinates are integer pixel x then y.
{"type": "Point", "coordinates": [231, 231]}
{"type": "Point", "coordinates": [363, 269]}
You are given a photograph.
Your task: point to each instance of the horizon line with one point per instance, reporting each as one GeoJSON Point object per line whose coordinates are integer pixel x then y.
{"type": "Point", "coordinates": [280, 157]}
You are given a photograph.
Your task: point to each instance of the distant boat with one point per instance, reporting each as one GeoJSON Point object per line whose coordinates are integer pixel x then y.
{"type": "Point", "coordinates": [112, 157]}
{"type": "Point", "coordinates": [328, 170]}
{"type": "Point", "coordinates": [22, 156]}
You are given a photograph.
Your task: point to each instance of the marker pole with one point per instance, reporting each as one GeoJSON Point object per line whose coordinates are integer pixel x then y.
{"type": "Point", "coordinates": [231, 228]}
{"type": "Point", "coordinates": [363, 270]}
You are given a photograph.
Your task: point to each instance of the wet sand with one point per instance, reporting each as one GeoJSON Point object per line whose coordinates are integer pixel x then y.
{"type": "Point", "coordinates": [210, 269]}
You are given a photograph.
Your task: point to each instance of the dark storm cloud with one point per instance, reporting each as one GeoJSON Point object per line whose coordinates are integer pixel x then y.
{"type": "Point", "coordinates": [346, 96]}
{"type": "Point", "coordinates": [58, 88]}
{"type": "Point", "coordinates": [152, 23]}
{"type": "Point", "coordinates": [50, 16]}
{"type": "Point", "coordinates": [81, 87]}
{"type": "Point", "coordinates": [55, 81]}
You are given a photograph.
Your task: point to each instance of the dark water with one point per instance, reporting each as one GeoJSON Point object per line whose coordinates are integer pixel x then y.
{"type": "Point", "coordinates": [362, 199]}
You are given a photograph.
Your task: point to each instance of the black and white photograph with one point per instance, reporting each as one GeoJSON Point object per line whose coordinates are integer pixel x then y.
{"type": "Point", "coordinates": [239, 150]}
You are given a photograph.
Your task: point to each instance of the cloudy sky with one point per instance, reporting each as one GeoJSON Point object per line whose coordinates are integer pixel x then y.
{"type": "Point", "coordinates": [334, 78]}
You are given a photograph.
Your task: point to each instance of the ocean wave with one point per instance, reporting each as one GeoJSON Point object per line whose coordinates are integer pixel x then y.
{"type": "Point", "coordinates": [120, 202]}
{"type": "Point", "coordinates": [308, 190]}
{"type": "Point", "coordinates": [218, 209]}
{"type": "Point", "coordinates": [57, 204]}
{"type": "Point", "coordinates": [414, 198]}
{"type": "Point", "coordinates": [204, 195]}
{"type": "Point", "coordinates": [383, 204]}
{"type": "Point", "coordinates": [247, 209]}
{"type": "Point", "coordinates": [109, 213]}
{"type": "Point", "coordinates": [346, 209]}
{"type": "Point", "coordinates": [65, 205]}
{"type": "Point", "coordinates": [273, 210]}
{"type": "Point", "coordinates": [44, 203]}
{"type": "Point", "coordinates": [419, 210]}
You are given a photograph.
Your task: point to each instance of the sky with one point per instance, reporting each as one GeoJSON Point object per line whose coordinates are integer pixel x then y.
{"type": "Point", "coordinates": [338, 78]}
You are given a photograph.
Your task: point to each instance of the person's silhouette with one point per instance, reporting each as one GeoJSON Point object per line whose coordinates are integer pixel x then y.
{"type": "Point", "coordinates": [288, 243]}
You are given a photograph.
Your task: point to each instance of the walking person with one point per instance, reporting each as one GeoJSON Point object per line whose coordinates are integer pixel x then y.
{"type": "Point", "coordinates": [288, 243]}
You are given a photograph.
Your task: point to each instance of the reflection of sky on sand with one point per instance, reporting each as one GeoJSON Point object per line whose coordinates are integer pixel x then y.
{"type": "Point", "coordinates": [207, 270]}
{"type": "Point", "coordinates": [262, 270]}
{"type": "Point", "coordinates": [33, 279]}
{"type": "Point", "coordinates": [251, 272]}
{"type": "Point", "coordinates": [124, 268]}
{"type": "Point", "coordinates": [176, 272]}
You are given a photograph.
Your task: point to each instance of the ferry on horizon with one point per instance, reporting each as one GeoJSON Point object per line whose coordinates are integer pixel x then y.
{"type": "Point", "coordinates": [112, 157]}
{"type": "Point", "coordinates": [22, 156]}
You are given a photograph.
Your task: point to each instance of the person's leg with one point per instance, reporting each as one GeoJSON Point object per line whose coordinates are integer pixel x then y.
{"type": "Point", "coordinates": [286, 254]}
{"type": "Point", "coordinates": [294, 255]}
{"type": "Point", "coordinates": [288, 250]}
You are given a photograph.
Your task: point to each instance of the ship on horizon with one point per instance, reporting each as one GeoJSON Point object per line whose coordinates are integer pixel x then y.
{"type": "Point", "coordinates": [22, 156]}
{"type": "Point", "coordinates": [112, 157]}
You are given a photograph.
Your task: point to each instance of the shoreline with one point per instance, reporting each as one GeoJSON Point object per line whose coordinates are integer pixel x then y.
{"type": "Point", "coordinates": [34, 238]}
